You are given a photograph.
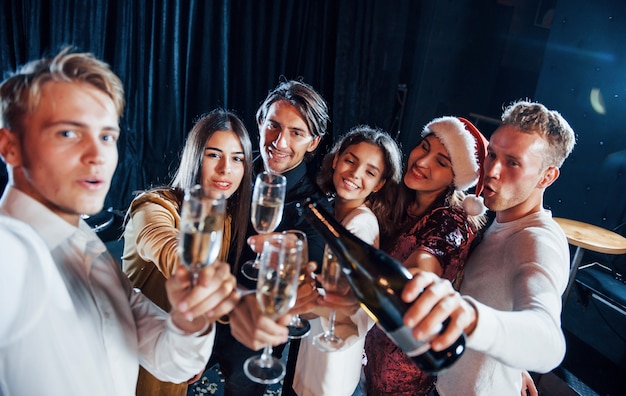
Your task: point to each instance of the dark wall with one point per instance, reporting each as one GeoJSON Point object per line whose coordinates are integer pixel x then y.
{"type": "Point", "coordinates": [585, 53]}
{"type": "Point", "coordinates": [584, 76]}
{"type": "Point", "coordinates": [395, 64]}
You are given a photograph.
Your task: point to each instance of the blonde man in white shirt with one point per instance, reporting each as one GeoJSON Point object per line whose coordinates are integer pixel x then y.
{"type": "Point", "coordinates": [70, 318]}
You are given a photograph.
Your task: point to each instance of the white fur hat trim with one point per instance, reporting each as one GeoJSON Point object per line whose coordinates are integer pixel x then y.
{"type": "Point", "coordinates": [461, 146]}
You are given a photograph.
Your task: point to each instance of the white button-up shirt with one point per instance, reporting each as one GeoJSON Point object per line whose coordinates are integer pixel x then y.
{"type": "Point", "coordinates": [70, 321]}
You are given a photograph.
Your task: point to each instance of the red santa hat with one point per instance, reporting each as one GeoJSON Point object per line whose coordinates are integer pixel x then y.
{"type": "Point", "coordinates": [467, 148]}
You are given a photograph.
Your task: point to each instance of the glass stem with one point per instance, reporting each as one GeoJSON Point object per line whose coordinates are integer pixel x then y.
{"type": "Point", "coordinates": [257, 261]}
{"type": "Point", "coordinates": [266, 356]}
{"type": "Point", "coordinates": [331, 322]}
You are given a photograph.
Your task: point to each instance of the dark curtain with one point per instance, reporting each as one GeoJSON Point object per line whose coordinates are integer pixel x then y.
{"type": "Point", "coordinates": [179, 59]}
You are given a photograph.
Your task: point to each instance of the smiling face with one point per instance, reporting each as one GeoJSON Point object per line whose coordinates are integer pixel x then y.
{"type": "Point", "coordinates": [67, 152]}
{"type": "Point", "coordinates": [285, 138]}
{"type": "Point", "coordinates": [357, 172]}
{"type": "Point", "coordinates": [429, 169]}
{"type": "Point", "coordinates": [223, 164]}
{"type": "Point", "coordinates": [515, 175]}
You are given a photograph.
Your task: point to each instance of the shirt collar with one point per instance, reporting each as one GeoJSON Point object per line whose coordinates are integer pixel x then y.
{"type": "Point", "coordinates": [293, 176]}
{"type": "Point", "coordinates": [52, 228]}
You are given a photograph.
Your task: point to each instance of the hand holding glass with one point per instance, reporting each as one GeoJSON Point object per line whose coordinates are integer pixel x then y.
{"type": "Point", "coordinates": [276, 291]}
{"type": "Point", "coordinates": [268, 199]}
{"type": "Point", "coordinates": [334, 282]}
{"type": "Point", "coordinates": [201, 229]}
{"type": "Point", "coordinates": [299, 327]}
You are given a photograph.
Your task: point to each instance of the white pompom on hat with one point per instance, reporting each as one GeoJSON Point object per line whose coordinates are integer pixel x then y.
{"type": "Point", "coordinates": [467, 148]}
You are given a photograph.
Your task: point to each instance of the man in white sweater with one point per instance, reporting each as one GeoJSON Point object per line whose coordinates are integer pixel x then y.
{"type": "Point", "coordinates": [509, 303]}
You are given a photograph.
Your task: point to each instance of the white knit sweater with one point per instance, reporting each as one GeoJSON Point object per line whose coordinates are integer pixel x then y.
{"type": "Point", "coordinates": [515, 278]}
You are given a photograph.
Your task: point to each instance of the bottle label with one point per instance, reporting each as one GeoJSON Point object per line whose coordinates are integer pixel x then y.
{"type": "Point", "coordinates": [405, 340]}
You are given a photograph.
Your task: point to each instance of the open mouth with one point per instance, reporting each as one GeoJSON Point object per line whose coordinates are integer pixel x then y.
{"type": "Point", "coordinates": [350, 184]}
{"type": "Point", "coordinates": [417, 173]}
{"type": "Point", "coordinates": [92, 183]}
{"type": "Point", "coordinates": [224, 185]}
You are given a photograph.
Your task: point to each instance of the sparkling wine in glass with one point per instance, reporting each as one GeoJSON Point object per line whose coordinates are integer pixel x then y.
{"type": "Point", "coordinates": [201, 229]}
{"type": "Point", "coordinates": [334, 282]}
{"type": "Point", "coordinates": [299, 327]}
{"type": "Point", "coordinates": [268, 198]}
{"type": "Point", "coordinates": [277, 285]}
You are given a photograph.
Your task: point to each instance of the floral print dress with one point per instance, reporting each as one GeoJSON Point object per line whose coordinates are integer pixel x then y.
{"type": "Point", "coordinates": [446, 234]}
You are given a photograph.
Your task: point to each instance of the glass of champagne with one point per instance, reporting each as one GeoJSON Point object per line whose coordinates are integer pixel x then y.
{"type": "Point", "coordinates": [268, 198]}
{"type": "Point", "coordinates": [276, 291]}
{"type": "Point", "coordinates": [299, 327]}
{"type": "Point", "coordinates": [334, 282]}
{"type": "Point", "coordinates": [201, 229]}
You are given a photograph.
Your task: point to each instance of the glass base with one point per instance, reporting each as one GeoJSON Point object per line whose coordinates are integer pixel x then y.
{"type": "Point", "coordinates": [299, 330]}
{"type": "Point", "coordinates": [250, 270]}
{"type": "Point", "coordinates": [327, 342]}
{"type": "Point", "coordinates": [264, 372]}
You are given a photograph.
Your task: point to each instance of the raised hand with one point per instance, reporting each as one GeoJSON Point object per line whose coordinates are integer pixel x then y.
{"type": "Point", "coordinates": [433, 300]}
{"type": "Point", "coordinates": [253, 329]}
{"type": "Point", "coordinates": [307, 293]}
{"type": "Point", "coordinates": [214, 295]}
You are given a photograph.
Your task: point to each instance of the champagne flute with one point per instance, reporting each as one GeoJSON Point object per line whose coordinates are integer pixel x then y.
{"type": "Point", "coordinates": [201, 229]}
{"type": "Point", "coordinates": [334, 282]}
{"type": "Point", "coordinates": [299, 327]}
{"type": "Point", "coordinates": [276, 291]}
{"type": "Point", "coordinates": [268, 198]}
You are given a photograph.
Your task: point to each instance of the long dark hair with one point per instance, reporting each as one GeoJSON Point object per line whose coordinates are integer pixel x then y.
{"type": "Point", "coordinates": [189, 171]}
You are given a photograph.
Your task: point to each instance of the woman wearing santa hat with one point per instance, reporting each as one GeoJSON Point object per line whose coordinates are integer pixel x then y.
{"type": "Point", "coordinates": [440, 222]}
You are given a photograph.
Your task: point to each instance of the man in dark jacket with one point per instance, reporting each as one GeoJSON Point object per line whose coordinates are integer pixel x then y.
{"type": "Point", "coordinates": [292, 122]}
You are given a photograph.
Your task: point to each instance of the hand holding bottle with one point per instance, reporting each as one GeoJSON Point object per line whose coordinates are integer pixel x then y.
{"type": "Point", "coordinates": [433, 300]}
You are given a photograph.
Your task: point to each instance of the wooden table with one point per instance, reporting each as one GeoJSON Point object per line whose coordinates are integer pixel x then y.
{"type": "Point", "coordinates": [589, 237]}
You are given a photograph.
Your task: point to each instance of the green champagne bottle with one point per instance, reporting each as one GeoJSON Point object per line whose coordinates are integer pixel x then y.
{"type": "Point", "coordinates": [377, 280]}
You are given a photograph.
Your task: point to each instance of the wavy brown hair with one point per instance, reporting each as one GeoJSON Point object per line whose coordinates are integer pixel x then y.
{"type": "Point", "coordinates": [382, 202]}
